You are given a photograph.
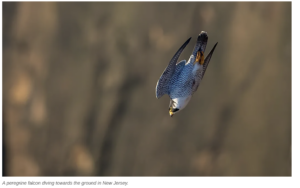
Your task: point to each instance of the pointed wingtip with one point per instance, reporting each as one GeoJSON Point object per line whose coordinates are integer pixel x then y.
{"type": "Point", "coordinates": [188, 40]}
{"type": "Point", "coordinates": [212, 50]}
{"type": "Point", "coordinates": [215, 45]}
{"type": "Point", "coordinates": [184, 45]}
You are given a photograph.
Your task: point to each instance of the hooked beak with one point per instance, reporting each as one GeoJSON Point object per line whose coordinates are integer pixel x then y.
{"type": "Point", "coordinates": [171, 114]}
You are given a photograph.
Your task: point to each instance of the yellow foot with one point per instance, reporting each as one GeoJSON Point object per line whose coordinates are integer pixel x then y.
{"type": "Point", "coordinates": [199, 58]}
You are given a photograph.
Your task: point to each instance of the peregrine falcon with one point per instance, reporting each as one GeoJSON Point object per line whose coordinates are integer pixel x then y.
{"type": "Point", "coordinates": [181, 80]}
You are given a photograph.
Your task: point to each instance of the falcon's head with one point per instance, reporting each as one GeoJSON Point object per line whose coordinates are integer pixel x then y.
{"type": "Point", "coordinates": [178, 104]}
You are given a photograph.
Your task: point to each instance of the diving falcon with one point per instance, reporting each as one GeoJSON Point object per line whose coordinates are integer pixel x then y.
{"type": "Point", "coordinates": [181, 80]}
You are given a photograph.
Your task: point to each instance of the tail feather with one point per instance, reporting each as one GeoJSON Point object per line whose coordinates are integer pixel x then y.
{"type": "Point", "coordinates": [201, 43]}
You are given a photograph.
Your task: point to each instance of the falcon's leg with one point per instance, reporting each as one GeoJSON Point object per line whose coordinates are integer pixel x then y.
{"type": "Point", "coordinates": [199, 58]}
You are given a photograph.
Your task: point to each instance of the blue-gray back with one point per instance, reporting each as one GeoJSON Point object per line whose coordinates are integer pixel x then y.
{"type": "Point", "coordinates": [181, 83]}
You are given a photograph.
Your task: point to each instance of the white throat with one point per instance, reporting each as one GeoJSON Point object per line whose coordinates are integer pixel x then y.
{"type": "Point", "coordinates": [181, 102]}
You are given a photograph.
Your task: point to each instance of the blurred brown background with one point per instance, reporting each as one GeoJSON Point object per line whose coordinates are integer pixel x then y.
{"type": "Point", "coordinates": [79, 90]}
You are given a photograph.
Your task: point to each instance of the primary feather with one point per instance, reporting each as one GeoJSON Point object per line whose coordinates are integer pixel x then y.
{"type": "Point", "coordinates": [162, 85]}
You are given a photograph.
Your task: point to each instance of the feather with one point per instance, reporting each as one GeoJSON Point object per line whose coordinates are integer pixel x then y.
{"type": "Point", "coordinates": [162, 85]}
{"type": "Point", "coordinates": [207, 59]}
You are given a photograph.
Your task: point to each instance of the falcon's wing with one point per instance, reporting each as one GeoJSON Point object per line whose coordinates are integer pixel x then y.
{"type": "Point", "coordinates": [179, 66]}
{"type": "Point", "coordinates": [178, 70]}
{"type": "Point", "coordinates": [207, 59]}
{"type": "Point", "coordinates": [163, 82]}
